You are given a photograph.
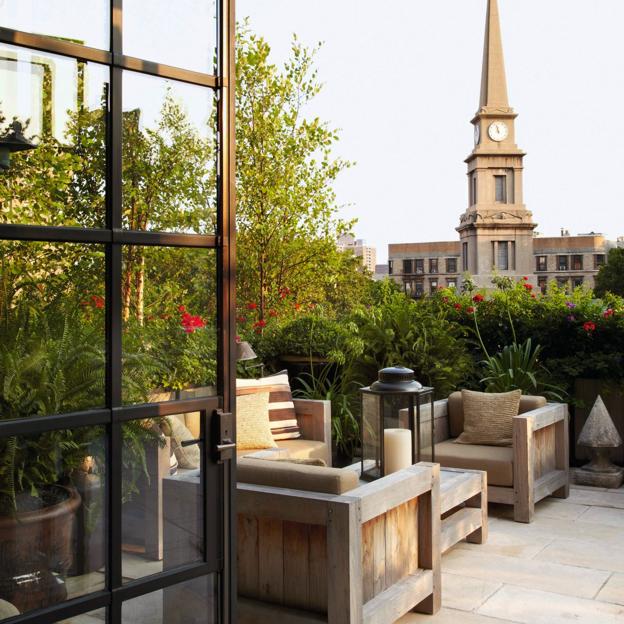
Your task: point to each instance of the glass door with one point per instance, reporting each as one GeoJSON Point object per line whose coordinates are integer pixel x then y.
{"type": "Point", "coordinates": [116, 311]}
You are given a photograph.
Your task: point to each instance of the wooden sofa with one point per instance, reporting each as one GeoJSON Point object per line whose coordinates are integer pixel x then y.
{"type": "Point", "coordinates": [349, 554]}
{"type": "Point", "coordinates": [534, 467]}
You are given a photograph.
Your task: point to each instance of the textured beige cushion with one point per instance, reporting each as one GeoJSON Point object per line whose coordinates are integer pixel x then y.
{"type": "Point", "coordinates": [289, 460]}
{"type": "Point", "coordinates": [189, 457]}
{"type": "Point", "coordinates": [456, 410]}
{"type": "Point", "coordinates": [488, 417]}
{"type": "Point", "coordinates": [296, 476]}
{"type": "Point", "coordinates": [253, 429]}
{"type": "Point", "coordinates": [497, 461]}
{"type": "Point", "coordinates": [300, 449]}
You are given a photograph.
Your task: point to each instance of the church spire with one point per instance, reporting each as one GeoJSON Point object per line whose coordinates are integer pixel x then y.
{"type": "Point", "coordinates": [493, 79]}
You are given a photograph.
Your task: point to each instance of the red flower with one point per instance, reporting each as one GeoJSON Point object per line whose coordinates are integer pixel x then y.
{"type": "Point", "coordinates": [98, 302]}
{"type": "Point", "coordinates": [260, 324]}
{"type": "Point", "coordinates": [284, 292]}
{"type": "Point", "coordinates": [273, 313]}
{"type": "Point", "coordinates": [241, 319]}
{"type": "Point", "coordinates": [533, 296]}
{"type": "Point", "coordinates": [525, 278]}
{"type": "Point", "coordinates": [478, 298]}
{"type": "Point", "coordinates": [458, 306]}
{"type": "Point", "coordinates": [191, 323]}
{"type": "Point", "coordinates": [181, 308]}
{"type": "Point", "coordinates": [589, 326]}
{"type": "Point", "coordinates": [297, 307]}
{"type": "Point", "coordinates": [470, 310]}
{"type": "Point", "coordinates": [238, 339]}
{"type": "Point", "coordinates": [252, 306]}
{"type": "Point", "coordinates": [529, 287]}
{"type": "Point", "coordinates": [445, 299]}
{"type": "Point", "coordinates": [608, 313]}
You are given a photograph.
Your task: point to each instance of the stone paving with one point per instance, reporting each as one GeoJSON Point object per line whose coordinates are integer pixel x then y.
{"type": "Point", "coordinates": [567, 566]}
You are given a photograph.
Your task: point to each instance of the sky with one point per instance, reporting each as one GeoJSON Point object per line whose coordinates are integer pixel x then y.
{"type": "Point", "coordinates": [402, 78]}
{"type": "Point", "coordinates": [401, 81]}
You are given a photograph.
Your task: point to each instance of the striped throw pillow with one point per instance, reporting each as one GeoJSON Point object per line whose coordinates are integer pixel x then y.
{"type": "Point", "coordinates": [281, 407]}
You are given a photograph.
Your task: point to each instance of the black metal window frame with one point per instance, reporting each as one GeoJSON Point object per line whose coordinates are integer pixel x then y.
{"type": "Point", "coordinates": [219, 529]}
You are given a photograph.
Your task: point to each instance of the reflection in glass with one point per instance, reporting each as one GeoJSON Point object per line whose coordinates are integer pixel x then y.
{"type": "Point", "coordinates": [191, 602]}
{"type": "Point", "coordinates": [78, 21]}
{"type": "Point", "coordinates": [60, 104]}
{"type": "Point", "coordinates": [93, 617]}
{"type": "Point", "coordinates": [169, 314]}
{"type": "Point", "coordinates": [52, 526]}
{"type": "Point", "coordinates": [181, 33]}
{"type": "Point", "coordinates": [169, 165]}
{"type": "Point", "coordinates": [162, 524]}
{"type": "Point", "coordinates": [52, 348]}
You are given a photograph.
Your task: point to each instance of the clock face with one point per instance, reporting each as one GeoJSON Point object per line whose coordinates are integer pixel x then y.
{"type": "Point", "coordinates": [477, 134]}
{"type": "Point", "coordinates": [498, 131]}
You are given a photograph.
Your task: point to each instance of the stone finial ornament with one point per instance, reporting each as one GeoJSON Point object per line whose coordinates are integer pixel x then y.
{"type": "Point", "coordinates": [599, 435]}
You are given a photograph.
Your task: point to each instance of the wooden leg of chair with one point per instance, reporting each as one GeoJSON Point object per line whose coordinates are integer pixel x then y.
{"type": "Point", "coordinates": [480, 502]}
{"type": "Point", "coordinates": [562, 454]}
{"type": "Point", "coordinates": [524, 510]}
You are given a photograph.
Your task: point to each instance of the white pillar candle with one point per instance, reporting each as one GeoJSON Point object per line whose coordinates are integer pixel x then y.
{"type": "Point", "coordinates": [397, 449]}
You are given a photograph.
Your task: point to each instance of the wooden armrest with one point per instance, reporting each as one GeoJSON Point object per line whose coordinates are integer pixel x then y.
{"type": "Point", "coordinates": [546, 416]}
{"type": "Point", "coordinates": [314, 418]}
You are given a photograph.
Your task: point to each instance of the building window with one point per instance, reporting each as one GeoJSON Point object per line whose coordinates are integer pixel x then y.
{"type": "Point", "coordinates": [542, 283]}
{"type": "Point", "coordinates": [501, 189]}
{"type": "Point", "coordinates": [465, 256]}
{"type": "Point", "coordinates": [599, 260]}
{"type": "Point", "coordinates": [502, 259]}
{"type": "Point", "coordinates": [433, 265]}
{"type": "Point", "coordinates": [541, 263]}
{"type": "Point", "coordinates": [419, 289]}
{"type": "Point", "coordinates": [577, 282]}
{"type": "Point", "coordinates": [451, 283]}
{"type": "Point", "coordinates": [562, 263]}
{"type": "Point", "coordinates": [577, 263]}
{"type": "Point", "coordinates": [451, 265]}
{"type": "Point", "coordinates": [407, 267]}
{"type": "Point", "coordinates": [433, 285]}
{"type": "Point", "coordinates": [420, 266]}
{"type": "Point", "coordinates": [473, 189]}
{"type": "Point", "coordinates": [563, 282]}
{"type": "Point", "coordinates": [390, 267]}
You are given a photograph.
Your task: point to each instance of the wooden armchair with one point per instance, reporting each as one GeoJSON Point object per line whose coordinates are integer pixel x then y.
{"type": "Point", "coordinates": [368, 555]}
{"type": "Point", "coordinates": [534, 467]}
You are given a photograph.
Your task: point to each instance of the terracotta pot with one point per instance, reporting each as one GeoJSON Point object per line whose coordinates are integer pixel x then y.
{"type": "Point", "coordinates": [36, 553]}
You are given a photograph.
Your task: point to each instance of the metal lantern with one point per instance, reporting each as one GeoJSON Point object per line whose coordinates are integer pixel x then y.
{"type": "Point", "coordinates": [392, 402]}
{"type": "Point", "coordinates": [13, 141]}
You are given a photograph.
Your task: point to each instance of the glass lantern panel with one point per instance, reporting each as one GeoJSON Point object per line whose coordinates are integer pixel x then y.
{"type": "Point", "coordinates": [371, 435]}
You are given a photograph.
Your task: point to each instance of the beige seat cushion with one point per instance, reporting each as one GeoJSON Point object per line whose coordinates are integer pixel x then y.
{"type": "Point", "coordinates": [300, 449]}
{"type": "Point", "coordinates": [497, 461]}
{"type": "Point", "coordinates": [296, 476]}
{"type": "Point", "coordinates": [488, 417]}
{"type": "Point", "coordinates": [456, 410]}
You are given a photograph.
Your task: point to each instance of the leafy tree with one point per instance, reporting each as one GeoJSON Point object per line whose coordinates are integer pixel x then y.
{"type": "Point", "coordinates": [287, 214]}
{"type": "Point", "coordinates": [610, 278]}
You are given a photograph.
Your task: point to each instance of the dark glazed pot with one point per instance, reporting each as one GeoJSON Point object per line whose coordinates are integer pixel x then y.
{"type": "Point", "coordinates": [36, 551]}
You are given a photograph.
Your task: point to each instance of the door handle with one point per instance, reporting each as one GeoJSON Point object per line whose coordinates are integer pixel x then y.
{"type": "Point", "coordinates": [225, 447]}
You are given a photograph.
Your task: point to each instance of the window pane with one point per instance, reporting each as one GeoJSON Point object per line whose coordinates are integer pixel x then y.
{"type": "Point", "coordinates": [93, 617]}
{"type": "Point", "coordinates": [57, 107]}
{"type": "Point", "coordinates": [52, 328]}
{"type": "Point", "coordinates": [162, 516]}
{"type": "Point", "coordinates": [169, 314]}
{"type": "Point", "coordinates": [169, 156]}
{"type": "Point", "coordinates": [503, 256]}
{"type": "Point", "coordinates": [181, 33]}
{"type": "Point", "coordinates": [501, 188]}
{"type": "Point", "coordinates": [52, 501]}
{"type": "Point", "coordinates": [191, 602]}
{"type": "Point", "coordinates": [76, 20]}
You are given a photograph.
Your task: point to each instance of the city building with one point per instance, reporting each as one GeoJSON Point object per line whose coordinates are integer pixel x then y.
{"type": "Point", "coordinates": [381, 272]}
{"type": "Point", "coordinates": [496, 231]}
{"type": "Point", "coordinates": [360, 249]}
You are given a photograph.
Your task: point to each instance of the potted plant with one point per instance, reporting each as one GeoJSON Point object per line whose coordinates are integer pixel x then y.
{"type": "Point", "coordinates": [48, 372]}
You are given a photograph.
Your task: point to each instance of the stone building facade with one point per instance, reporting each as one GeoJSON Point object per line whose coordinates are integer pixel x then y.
{"type": "Point", "coordinates": [359, 248]}
{"type": "Point", "coordinates": [496, 231]}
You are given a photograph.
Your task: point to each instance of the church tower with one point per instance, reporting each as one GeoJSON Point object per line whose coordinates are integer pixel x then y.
{"type": "Point", "coordinates": [496, 230]}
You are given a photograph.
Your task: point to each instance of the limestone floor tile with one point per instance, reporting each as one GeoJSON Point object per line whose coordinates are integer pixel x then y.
{"type": "Point", "coordinates": [529, 573]}
{"type": "Point", "coordinates": [605, 516]}
{"type": "Point", "coordinates": [449, 616]}
{"type": "Point", "coordinates": [553, 508]}
{"type": "Point", "coordinates": [509, 543]}
{"type": "Point", "coordinates": [584, 554]}
{"type": "Point", "coordinates": [541, 607]}
{"type": "Point", "coordinates": [465, 593]}
{"type": "Point", "coordinates": [601, 498]}
{"type": "Point", "coordinates": [613, 591]}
